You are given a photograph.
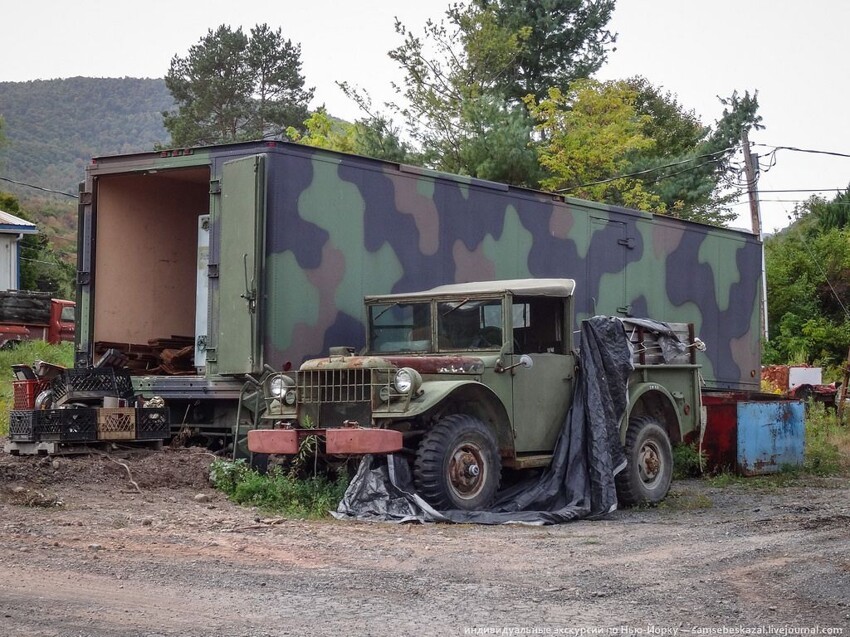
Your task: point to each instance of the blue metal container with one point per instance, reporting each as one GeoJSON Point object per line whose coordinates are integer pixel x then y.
{"type": "Point", "coordinates": [771, 435]}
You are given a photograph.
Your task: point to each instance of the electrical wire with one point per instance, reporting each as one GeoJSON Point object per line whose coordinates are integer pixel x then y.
{"type": "Point", "coordinates": [22, 183]}
{"type": "Point", "coordinates": [804, 150]}
{"type": "Point", "coordinates": [650, 170]}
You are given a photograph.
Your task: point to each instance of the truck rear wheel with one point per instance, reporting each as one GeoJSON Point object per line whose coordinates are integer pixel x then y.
{"type": "Point", "coordinates": [646, 479]}
{"type": "Point", "coordinates": [458, 465]}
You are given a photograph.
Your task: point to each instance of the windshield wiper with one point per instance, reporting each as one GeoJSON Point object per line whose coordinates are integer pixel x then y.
{"type": "Point", "coordinates": [456, 307]}
{"type": "Point", "coordinates": [385, 310]}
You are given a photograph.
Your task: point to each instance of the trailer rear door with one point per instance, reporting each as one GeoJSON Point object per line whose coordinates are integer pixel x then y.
{"type": "Point", "coordinates": [239, 218]}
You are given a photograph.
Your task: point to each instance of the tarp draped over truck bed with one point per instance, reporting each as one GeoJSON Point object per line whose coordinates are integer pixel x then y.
{"type": "Point", "coordinates": [579, 482]}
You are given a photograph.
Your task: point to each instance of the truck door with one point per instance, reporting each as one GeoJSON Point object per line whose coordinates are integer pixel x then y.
{"type": "Point", "coordinates": [541, 394]}
{"type": "Point", "coordinates": [238, 216]}
{"type": "Point", "coordinates": [606, 268]}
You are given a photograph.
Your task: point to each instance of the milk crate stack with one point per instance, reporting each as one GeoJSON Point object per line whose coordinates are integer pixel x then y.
{"type": "Point", "coordinates": [85, 405]}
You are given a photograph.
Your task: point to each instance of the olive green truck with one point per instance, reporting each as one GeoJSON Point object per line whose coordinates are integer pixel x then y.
{"type": "Point", "coordinates": [467, 378]}
{"type": "Point", "coordinates": [260, 254]}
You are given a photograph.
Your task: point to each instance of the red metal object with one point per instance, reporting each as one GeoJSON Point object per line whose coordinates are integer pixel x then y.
{"type": "Point", "coordinates": [344, 441]}
{"type": "Point", "coordinates": [280, 441]}
{"type": "Point", "coordinates": [26, 391]}
{"type": "Point", "coordinates": [347, 441]}
{"type": "Point", "coordinates": [720, 440]}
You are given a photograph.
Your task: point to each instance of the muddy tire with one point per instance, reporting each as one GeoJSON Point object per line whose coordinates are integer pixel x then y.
{"type": "Point", "coordinates": [646, 479]}
{"type": "Point", "coordinates": [458, 465]}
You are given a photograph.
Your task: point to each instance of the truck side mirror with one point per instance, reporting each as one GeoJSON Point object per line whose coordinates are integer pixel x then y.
{"type": "Point", "coordinates": [524, 361]}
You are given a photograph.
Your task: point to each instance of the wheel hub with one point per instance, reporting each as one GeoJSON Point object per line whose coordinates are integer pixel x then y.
{"type": "Point", "coordinates": [466, 474]}
{"type": "Point", "coordinates": [649, 463]}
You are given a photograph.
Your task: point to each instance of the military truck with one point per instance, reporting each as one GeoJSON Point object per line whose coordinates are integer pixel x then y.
{"type": "Point", "coordinates": [467, 378]}
{"type": "Point", "coordinates": [260, 254]}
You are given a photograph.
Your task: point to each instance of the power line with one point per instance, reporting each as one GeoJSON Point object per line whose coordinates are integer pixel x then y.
{"type": "Point", "coordinates": [805, 150]}
{"type": "Point", "coordinates": [22, 183]}
{"type": "Point", "coordinates": [650, 170]}
{"type": "Point", "coordinates": [804, 189]}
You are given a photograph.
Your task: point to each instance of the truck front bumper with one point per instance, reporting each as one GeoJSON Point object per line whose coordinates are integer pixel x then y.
{"type": "Point", "coordinates": [343, 441]}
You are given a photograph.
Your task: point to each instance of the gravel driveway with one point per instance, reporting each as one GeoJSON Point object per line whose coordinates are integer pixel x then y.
{"type": "Point", "coordinates": [83, 553]}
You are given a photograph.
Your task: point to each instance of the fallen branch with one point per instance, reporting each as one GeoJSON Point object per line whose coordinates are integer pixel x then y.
{"type": "Point", "coordinates": [126, 467]}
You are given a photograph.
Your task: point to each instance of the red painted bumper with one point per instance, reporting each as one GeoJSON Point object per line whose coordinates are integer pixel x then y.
{"type": "Point", "coordinates": [343, 441]}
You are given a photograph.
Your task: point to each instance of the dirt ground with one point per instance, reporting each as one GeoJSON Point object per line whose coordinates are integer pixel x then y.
{"type": "Point", "coordinates": [83, 553]}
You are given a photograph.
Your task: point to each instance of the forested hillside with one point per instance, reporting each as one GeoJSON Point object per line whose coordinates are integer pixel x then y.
{"type": "Point", "coordinates": [54, 127]}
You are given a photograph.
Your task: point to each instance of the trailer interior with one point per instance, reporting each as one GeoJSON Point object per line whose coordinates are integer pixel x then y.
{"type": "Point", "coordinates": [146, 257]}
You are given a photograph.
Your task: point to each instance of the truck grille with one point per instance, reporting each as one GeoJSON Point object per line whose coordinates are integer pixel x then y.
{"type": "Point", "coordinates": [335, 385]}
{"type": "Point", "coordinates": [329, 397]}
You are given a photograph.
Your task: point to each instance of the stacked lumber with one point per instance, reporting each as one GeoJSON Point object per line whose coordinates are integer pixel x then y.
{"type": "Point", "coordinates": [172, 356]}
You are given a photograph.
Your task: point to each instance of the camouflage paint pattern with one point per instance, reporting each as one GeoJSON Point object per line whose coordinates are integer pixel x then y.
{"type": "Point", "coordinates": [338, 227]}
{"type": "Point", "coordinates": [341, 227]}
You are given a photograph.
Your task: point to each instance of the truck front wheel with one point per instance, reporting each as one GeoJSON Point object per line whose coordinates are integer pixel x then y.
{"type": "Point", "coordinates": [646, 479]}
{"type": "Point", "coordinates": [458, 465]}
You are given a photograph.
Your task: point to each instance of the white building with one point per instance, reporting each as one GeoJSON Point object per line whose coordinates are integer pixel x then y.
{"type": "Point", "coordinates": [12, 230]}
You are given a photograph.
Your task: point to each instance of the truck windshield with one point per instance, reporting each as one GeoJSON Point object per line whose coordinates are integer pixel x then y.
{"type": "Point", "coordinates": [68, 314]}
{"type": "Point", "coordinates": [400, 327]}
{"type": "Point", "coordinates": [465, 324]}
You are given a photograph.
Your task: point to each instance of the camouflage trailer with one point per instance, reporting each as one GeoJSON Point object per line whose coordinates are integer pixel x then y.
{"type": "Point", "coordinates": [261, 253]}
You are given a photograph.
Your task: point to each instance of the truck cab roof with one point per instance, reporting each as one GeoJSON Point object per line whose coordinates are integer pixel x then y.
{"type": "Point", "coordinates": [520, 287]}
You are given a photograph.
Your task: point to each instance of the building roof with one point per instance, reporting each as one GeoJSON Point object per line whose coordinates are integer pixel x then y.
{"type": "Point", "coordinates": [9, 223]}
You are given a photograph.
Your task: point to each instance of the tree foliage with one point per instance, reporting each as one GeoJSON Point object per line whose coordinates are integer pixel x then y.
{"type": "Point", "coordinates": [41, 267]}
{"type": "Point", "coordinates": [234, 87]}
{"type": "Point", "coordinates": [559, 41]}
{"type": "Point", "coordinates": [808, 287]}
{"type": "Point", "coordinates": [499, 90]}
{"type": "Point", "coordinates": [691, 167]}
{"type": "Point", "coordinates": [371, 137]}
{"type": "Point", "coordinates": [588, 136]}
{"type": "Point", "coordinates": [466, 75]}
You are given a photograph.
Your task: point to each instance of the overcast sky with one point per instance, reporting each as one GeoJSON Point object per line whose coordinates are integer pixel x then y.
{"type": "Point", "coordinates": [793, 53]}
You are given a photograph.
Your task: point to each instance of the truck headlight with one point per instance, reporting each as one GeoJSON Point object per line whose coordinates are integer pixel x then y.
{"type": "Point", "coordinates": [407, 380]}
{"type": "Point", "coordinates": [290, 397]}
{"type": "Point", "coordinates": [278, 385]}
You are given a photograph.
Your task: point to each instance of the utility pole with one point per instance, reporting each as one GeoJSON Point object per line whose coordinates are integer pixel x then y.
{"type": "Point", "coordinates": [750, 163]}
{"type": "Point", "coordinates": [752, 187]}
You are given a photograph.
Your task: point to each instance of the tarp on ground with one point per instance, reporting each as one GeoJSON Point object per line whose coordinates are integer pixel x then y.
{"type": "Point", "coordinates": [579, 482]}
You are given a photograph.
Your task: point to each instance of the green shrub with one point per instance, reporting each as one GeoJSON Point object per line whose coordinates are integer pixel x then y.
{"type": "Point", "coordinates": [827, 443]}
{"type": "Point", "coordinates": [686, 462]}
{"type": "Point", "coordinates": [278, 492]}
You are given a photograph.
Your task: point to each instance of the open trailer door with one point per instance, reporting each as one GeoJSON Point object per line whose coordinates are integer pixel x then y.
{"type": "Point", "coordinates": [239, 215]}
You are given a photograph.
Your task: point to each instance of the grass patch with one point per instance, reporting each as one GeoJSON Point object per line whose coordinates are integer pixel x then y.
{"type": "Point", "coordinates": [827, 443]}
{"type": "Point", "coordinates": [277, 492]}
{"type": "Point", "coordinates": [686, 501]}
{"type": "Point", "coordinates": [27, 353]}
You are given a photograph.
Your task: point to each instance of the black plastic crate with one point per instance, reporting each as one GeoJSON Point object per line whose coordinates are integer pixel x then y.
{"type": "Point", "coordinates": [153, 423]}
{"type": "Point", "coordinates": [53, 425]}
{"type": "Point", "coordinates": [22, 425]}
{"type": "Point", "coordinates": [91, 384]}
{"type": "Point", "coordinates": [66, 425]}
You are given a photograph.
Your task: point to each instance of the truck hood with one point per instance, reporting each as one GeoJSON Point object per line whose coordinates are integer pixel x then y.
{"type": "Point", "coordinates": [448, 364]}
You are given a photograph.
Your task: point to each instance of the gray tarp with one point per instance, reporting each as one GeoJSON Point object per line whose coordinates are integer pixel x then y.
{"type": "Point", "coordinates": [579, 482]}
